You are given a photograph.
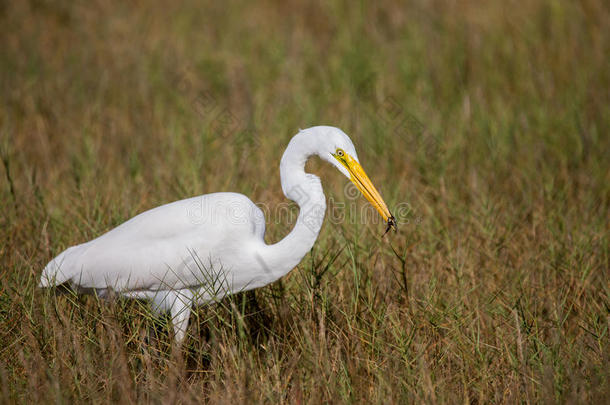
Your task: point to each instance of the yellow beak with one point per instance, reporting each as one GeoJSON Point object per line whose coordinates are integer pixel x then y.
{"type": "Point", "coordinates": [366, 187]}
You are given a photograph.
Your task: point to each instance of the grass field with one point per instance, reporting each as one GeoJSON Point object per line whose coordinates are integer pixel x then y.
{"type": "Point", "coordinates": [484, 124]}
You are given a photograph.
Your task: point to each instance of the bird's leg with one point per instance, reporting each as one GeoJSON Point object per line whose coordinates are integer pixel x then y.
{"type": "Point", "coordinates": [180, 312]}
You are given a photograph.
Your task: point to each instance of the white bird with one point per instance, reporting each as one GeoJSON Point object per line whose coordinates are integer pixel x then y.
{"type": "Point", "coordinates": [198, 250]}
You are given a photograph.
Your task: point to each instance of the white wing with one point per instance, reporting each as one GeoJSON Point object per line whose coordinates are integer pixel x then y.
{"type": "Point", "coordinates": [183, 244]}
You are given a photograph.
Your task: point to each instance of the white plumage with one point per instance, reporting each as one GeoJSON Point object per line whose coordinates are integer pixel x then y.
{"type": "Point", "coordinates": [200, 249]}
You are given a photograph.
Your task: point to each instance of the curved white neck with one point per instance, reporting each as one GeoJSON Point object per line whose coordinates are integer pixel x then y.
{"type": "Point", "coordinates": [306, 190]}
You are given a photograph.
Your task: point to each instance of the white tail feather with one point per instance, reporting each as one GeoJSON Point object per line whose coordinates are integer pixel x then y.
{"type": "Point", "coordinates": [57, 271]}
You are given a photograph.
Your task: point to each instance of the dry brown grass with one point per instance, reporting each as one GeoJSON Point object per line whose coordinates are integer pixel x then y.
{"type": "Point", "coordinates": [490, 120]}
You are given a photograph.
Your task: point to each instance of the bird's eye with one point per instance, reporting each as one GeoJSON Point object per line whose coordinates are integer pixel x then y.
{"type": "Point", "coordinates": [340, 152]}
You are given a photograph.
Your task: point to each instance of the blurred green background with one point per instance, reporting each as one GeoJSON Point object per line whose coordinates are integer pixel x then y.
{"type": "Point", "coordinates": [489, 119]}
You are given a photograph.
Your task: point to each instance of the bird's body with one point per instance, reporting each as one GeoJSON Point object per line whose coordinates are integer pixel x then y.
{"type": "Point", "coordinates": [200, 249]}
{"type": "Point", "coordinates": [163, 247]}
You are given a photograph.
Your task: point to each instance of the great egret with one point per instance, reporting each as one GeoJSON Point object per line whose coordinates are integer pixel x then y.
{"type": "Point", "coordinates": [198, 250]}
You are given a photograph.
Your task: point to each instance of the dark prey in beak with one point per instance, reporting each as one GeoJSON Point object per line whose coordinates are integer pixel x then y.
{"type": "Point", "coordinates": [391, 224]}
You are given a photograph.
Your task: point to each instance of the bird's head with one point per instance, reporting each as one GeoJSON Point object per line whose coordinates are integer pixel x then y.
{"type": "Point", "coordinates": [337, 148]}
